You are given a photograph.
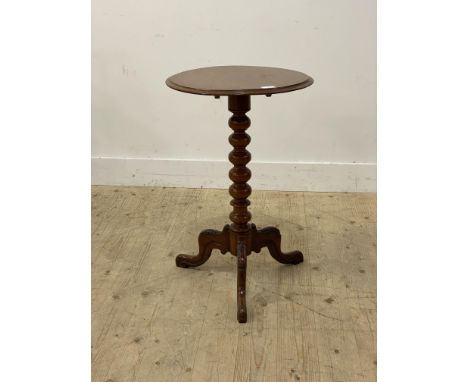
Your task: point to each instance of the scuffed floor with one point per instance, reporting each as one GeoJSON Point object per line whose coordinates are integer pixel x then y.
{"type": "Point", "coordinates": [153, 321]}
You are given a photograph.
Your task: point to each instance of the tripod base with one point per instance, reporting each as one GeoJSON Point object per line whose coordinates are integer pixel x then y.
{"type": "Point", "coordinates": [240, 244]}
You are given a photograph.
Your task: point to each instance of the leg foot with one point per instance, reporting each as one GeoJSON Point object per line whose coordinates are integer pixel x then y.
{"type": "Point", "coordinates": [208, 240]}
{"type": "Point", "coordinates": [241, 281]}
{"type": "Point", "coordinates": [271, 237]}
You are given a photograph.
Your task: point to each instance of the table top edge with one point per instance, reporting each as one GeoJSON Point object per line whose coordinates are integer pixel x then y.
{"type": "Point", "coordinates": [281, 89]}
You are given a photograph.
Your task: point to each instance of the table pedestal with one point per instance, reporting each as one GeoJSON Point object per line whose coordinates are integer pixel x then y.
{"type": "Point", "coordinates": [241, 237]}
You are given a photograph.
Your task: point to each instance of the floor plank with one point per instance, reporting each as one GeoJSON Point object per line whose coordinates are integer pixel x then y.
{"type": "Point", "coordinates": [152, 321]}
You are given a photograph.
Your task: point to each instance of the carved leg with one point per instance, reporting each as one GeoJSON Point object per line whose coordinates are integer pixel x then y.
{"type": "Point", "coordinates": [271, 237]}
{"type": "Point", "coordinates": [208, 240]}
{"type": "Point", "coordinates": [241, 281]}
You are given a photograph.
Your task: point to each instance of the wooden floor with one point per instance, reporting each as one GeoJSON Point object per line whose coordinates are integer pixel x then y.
{"type": "Point", "coordinates": [153, 321]}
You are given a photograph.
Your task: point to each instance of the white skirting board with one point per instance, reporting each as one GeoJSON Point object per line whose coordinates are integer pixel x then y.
{"type": "Point", "coordinates": [285, 176]}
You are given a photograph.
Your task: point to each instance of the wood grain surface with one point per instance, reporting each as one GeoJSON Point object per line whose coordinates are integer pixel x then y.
{"type": "Point", "coordinates": [152, 321]}
{"type": "Point", "coordinates": [239, 80]}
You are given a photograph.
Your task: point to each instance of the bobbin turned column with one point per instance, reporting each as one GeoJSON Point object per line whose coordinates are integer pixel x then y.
{"type": "Point", "coordinates": [240, 191]}
{"type": "Point", "coordinates": [239, 157]}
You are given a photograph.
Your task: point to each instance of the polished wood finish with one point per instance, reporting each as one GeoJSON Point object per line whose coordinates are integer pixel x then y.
{"type": "Point", "coordinates": [239, 157]}
{"type": "Point", "coordinates": [270, 237]}
{"type": "Point", "coordinates": [239, 238]}
{"type": "Point", "coordinates": [240, 244]}
{"type": "Point", "coordinates": [240, 191]}
{"type": "Point", "coordinates": [208, 240]}
{"type": "Point", "coordinates": [239, 80]}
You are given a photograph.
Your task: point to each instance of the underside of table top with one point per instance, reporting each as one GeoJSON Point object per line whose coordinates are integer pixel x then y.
{"type": "Point", "coordinates": [238, 80]}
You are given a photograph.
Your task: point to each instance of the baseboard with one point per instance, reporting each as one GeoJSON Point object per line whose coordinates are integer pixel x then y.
{"type": "Point", "coordinates": [293, 176]}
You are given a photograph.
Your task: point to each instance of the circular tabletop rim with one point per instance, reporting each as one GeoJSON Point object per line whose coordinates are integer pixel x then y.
{"type": "Point", "coordinates": [228, 92]}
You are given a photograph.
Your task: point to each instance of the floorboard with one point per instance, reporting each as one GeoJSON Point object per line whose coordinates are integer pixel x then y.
{"type": "Point", "coordinates": [152, 321]}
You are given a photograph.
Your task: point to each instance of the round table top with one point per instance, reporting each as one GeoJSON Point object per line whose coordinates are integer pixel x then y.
{"type": "Point", "coordinates": [238, 80]}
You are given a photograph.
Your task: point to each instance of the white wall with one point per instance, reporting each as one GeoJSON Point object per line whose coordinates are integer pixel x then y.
{"type": "Point", "coordinates": [320, 138]}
